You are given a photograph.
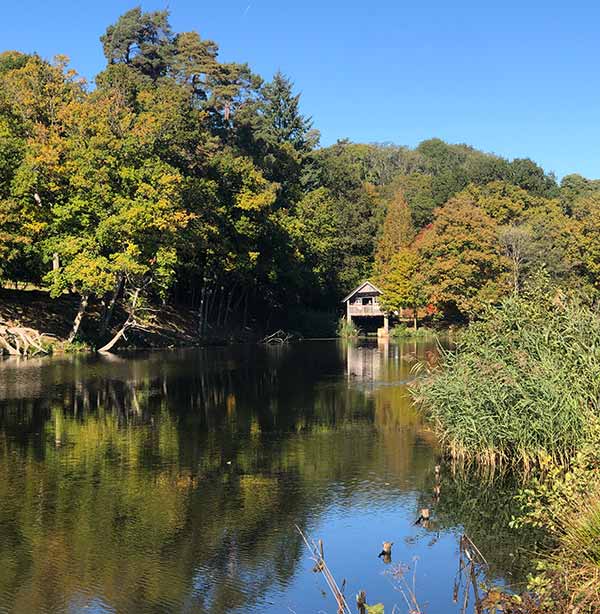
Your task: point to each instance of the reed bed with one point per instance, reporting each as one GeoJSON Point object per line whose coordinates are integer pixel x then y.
{"type": "Point", "coordinates": [521, 386]}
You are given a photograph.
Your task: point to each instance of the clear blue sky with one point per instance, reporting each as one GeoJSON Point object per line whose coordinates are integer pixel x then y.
{"type": "Point", "coordinates": [518, 78]}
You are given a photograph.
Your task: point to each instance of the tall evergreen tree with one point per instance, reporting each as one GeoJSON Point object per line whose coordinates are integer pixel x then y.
{"type": "Point", "coordinates": [281, 120]}
{"type": "Point", "coordinates": [142, 40]}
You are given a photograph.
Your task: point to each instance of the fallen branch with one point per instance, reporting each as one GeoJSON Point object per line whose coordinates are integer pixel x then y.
{"type": "Point", "coordinates": [278, 337]}
{"type": "Point", "coordinates": [20, 340]}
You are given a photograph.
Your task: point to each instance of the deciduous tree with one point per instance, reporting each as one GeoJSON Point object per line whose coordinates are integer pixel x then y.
{"type": "Point", "coordinates": [462, 259]}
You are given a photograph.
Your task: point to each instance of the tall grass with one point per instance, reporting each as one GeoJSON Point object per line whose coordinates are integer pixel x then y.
{"type": "Point", "coordinates": [347, 330]}
{"type": "Point", "coordinates": [576, 561]}
{"type": "Point", "coordinates": [522, 385]}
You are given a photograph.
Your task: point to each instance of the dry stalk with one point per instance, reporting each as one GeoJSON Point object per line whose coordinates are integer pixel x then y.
{"type": "Point", "coordinates": [317, 555]}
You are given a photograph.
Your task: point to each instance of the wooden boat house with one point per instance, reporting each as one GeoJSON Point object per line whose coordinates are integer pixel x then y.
{"type": "Point", "coordinates": [362, 307]}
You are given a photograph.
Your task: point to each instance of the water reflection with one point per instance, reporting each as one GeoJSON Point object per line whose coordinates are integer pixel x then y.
{"type": "Point", "coordinates": [171, 482]}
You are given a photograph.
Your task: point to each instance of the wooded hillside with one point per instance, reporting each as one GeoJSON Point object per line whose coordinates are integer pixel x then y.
{"type": "Point", "coordinates": [179, 178]}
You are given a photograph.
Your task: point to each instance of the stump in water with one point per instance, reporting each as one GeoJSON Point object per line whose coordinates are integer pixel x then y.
{"type": "Point", "coordinates": [386, 551]}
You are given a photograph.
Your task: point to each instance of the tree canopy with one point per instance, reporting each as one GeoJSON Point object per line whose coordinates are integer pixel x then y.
{"type": "Point", "coordinates": [183, 178]}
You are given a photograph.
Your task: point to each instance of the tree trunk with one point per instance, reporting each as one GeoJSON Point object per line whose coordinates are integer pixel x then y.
{"type": "Point", "coordinates": [9, 348]}
{"type": "Point", "coordinates": [228, 305]}
{"type": "Point", "coordinates": [80, 313]}
{"type": "Point", "coordinates": [128, 324]}
{"type": "Point", "coordinates": [111, 306]}
{"type": "Point", "coordinates": [516, 275]}
{"type": "Point", "coordinates": [415, 319]}
{"type": "Point", "coordinates": [219, 308]}
{"type": "Point", "coordinates": [245, 318]}
{"type": "Point", "coordinates": [105, 349]}
{"type": "Point", "coordinates": [201, 309]}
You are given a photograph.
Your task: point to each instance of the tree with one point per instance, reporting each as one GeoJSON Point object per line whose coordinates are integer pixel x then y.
{"type": "Point", "coordinates": [418, 191]}
{"type": "Point", "coordinates": [586, 214]}
{"type": "Point", "coordinates": [398, 232]}
{"type": "Point", "coordinates": [317, 235]}
{"type": "Point", "coordinates": [220, 88]}
{"type": "Point", "coordinates": [278, 137]}
{"type": "Point", "coordinates": [526, 174]}
{"type": "Point", "coordinates": [362, 211]}
{"type": "Point", "coordinates": [518, 246]}
{"type": "Point", "coordinates": [117, 226]}
{"type": "Point", "coordinates": [281, 120]}
{"type": "Point", "coordinates": [505, 202]}
{"type": "Point", "coordinates": [555, 242]}
{"type": "Point", "coordinates": [402, 283]}
{"type": "Point", "coordinates": [462, 259]}
{"type": "Point", "coordinates": [143, 41]}
{"type": "Point", "coordinates": [12, 60]}
{"type": "Point", "coordinates": [34, 98]}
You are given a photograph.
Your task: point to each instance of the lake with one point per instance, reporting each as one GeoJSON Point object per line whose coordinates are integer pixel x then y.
{"type": "Point", "coordinates": [172, 481]}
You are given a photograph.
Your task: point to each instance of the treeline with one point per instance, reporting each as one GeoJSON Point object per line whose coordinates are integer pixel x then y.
{"type": "Point", "coordinates": [489, 240]}
{"type": "Point", "coordinates": [180, 177]}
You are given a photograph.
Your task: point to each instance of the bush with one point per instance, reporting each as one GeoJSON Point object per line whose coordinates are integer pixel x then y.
{"type": "Point", "coordinates": [402, 331]}
{"type": "Point", "coordinates": [522, 385]}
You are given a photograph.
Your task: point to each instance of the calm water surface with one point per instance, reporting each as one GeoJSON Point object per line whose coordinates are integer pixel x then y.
{"type": "Point", "coordinates": [172, 482]}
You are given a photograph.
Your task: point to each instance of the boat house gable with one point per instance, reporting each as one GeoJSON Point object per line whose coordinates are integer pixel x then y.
{"type": "Point", "coordinates": [365, 290]}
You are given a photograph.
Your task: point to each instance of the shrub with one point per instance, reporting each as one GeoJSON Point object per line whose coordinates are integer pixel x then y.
{"type": "Point", "coordinates": [401, 331]}
{"type": "Point", "coordinates": [566, 504]}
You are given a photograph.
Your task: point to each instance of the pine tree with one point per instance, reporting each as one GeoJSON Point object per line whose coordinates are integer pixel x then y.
{"type": "Point", "coordinates": [141, 40]}
{"type": "Point", "coordinates": [282, 121]}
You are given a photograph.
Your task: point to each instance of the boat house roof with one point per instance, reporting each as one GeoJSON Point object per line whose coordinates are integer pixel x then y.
{"type": "Point", "coordinates": [366, 287]}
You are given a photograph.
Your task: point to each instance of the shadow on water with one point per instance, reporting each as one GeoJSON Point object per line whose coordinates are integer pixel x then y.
{"type": "Point", "coordinates": [172, 481]}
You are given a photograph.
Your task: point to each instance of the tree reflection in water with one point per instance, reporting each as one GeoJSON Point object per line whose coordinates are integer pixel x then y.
{"type": "Point", "coordinates": [172, 481]}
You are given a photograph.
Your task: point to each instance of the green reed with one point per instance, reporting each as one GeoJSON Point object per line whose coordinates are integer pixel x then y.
{"type": "Point", "coordinates": [522, 385]}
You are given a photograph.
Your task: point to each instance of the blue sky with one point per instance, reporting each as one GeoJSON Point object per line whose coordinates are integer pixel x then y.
{"type": "Point", "coordinates": [520, 79]}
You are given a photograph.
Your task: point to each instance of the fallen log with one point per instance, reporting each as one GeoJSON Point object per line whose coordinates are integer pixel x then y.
{"type": "Point", "coordinates": [278, 337]}
{"type": "Point", "coordinates": [21, 340]}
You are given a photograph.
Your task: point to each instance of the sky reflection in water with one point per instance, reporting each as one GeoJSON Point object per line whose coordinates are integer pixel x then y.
{"type": "Point", "coordinates": [172, 481]}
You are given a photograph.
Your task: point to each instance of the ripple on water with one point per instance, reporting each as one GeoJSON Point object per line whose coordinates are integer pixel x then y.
{"type": "Point", "coordinates": [172, 482]}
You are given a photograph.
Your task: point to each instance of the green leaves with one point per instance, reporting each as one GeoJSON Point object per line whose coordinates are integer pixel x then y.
{"type": "Point", "coordinates": [84, 273]}
{"type": "Point", "coordinates": [463, 261]}
{"type": "Point", "coordinates": [398, 232]}
{"type": "Point", "coordinates": [141, 40]}
{"type": "Point", "coordinates": [401, 282]}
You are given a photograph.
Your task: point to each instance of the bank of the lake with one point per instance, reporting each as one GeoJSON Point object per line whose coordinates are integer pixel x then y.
{"type": "Point", "coordinates": [169, 325]}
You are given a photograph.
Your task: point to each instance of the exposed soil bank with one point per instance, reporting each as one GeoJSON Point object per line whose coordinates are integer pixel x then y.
{"type": "Point", "coordinates": [170, 326]}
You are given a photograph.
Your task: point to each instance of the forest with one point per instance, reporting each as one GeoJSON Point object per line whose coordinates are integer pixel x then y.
{"type": "Point", "coordinates": [177, 178]}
